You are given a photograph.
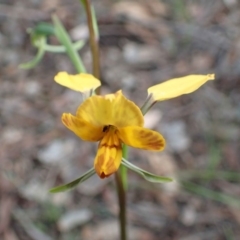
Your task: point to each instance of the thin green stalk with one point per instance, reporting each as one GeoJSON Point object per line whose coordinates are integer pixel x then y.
{"type": "Point", "coordinates": [121, 179]}
{"type": "Point", "coordinates": [37, 58]}
{"type": "Point", "coordinates": [62, 49]}
{"type": "Point", "coordinates": [122, 205]}
{"type": "Point", "coordinates": [148, 104]}
{"type": "Point", "coordinates": [93, 36]}
{"type": "Point", "coordinates": [65, 40]}
{"type": "Point", "coordinates": [123, 169]}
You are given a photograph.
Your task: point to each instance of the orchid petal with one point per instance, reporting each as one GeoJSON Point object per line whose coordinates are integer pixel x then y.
{"type": "Point", "coordinates": [178, 86]}
{"type": "Point", "coordinates": [80, 82]}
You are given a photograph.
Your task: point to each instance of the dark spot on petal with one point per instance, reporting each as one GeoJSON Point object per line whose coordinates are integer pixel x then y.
{"type": "Point", "coordinates": [102, 175]}
{"type": "Point", "coordinates": [106, 128]}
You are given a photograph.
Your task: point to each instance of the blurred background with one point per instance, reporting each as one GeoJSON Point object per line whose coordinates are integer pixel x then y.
{"type": "Point", "coordinates": [142, 43]}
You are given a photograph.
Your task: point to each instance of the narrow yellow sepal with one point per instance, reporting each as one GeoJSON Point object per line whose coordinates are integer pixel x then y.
{"type": "Point", "coordinates": [178, 86]}
{"type": "Point", "coordinates": [80, 82]}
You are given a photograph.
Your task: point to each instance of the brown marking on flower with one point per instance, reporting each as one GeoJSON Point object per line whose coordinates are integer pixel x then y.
{"type": "Point", "coordinates": [110, 166]}
{"type": "Point", "coordinates": [110, 146]}
{"type": "Point", "coordinates": [141, 132]}
{"type": "Point", "coordinates": [149, 134]}
{"type": "Point", "coordinates": [144, 134]}
{"type": "Point", "coordinates": [105, 128]}
{"type": "Point", "coordinates": [157, 144]}
{"type": "Point", "coordinates": [102, 175]}
{"type": "Point", "coordinates": [100, 160]}
{"type": "Point", "coordinates": [153, 138]}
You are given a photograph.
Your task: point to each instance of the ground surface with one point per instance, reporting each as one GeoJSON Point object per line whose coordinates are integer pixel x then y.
{"type": "Point", "coordinates": [142, 43]}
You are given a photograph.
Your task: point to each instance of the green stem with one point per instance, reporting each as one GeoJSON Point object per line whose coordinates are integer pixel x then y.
{"type": "Point", "coordinates": [121, 182]}
{"type": "Point", "coordinates": [65, 40]}
{"type": "Point", "coordinates": [148, 104]}
{"type": "Point", "coordinates": [123, 169]}
{"type": "Point", "coordinates": [61, 49]}
{"type": "Point", "coordinates": [37, 58]}
{"type": "Point", "coordinates": [122, 205]}
{"type": "Point", "coordinates": [93, 38]}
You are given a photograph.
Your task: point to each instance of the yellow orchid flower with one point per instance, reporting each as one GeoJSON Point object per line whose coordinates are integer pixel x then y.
{"type": "Point", "coordinates": [82, 82]}
{"type": "Point", "coordinates": [178, 86]}
{"type": "Point", "coordinates": [112, 120]}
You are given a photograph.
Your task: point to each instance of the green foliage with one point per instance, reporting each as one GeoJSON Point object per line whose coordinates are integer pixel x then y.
{"type": "Point", "coordinates": [146, 175]}
{"type": "Point", "coordinates": [74, 183]}
{"type": "Point", "coordinates": [43, 28]}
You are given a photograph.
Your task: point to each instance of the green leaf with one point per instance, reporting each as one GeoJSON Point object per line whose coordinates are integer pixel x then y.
{"type": "Point", "coordinates": [74, 183]}
{"type": "Point", "coordinates": [44, 28]}
{"type": "Point", "coordinates": [146, 175]}
{"type": "Point", "coordinates": [37, 58]}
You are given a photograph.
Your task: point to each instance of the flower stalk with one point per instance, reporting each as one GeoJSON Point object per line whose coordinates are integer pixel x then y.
{"type": "Point", "coordinates": [123, 169]}
{"type": "Point", "coordinates": [122, 205]}
{"type": "Point", "coordinates": [93, 37]}
{"type": "Point", "coordinates": [121, 182]}
{"type": "Point", "coordinates": [149, 102]}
